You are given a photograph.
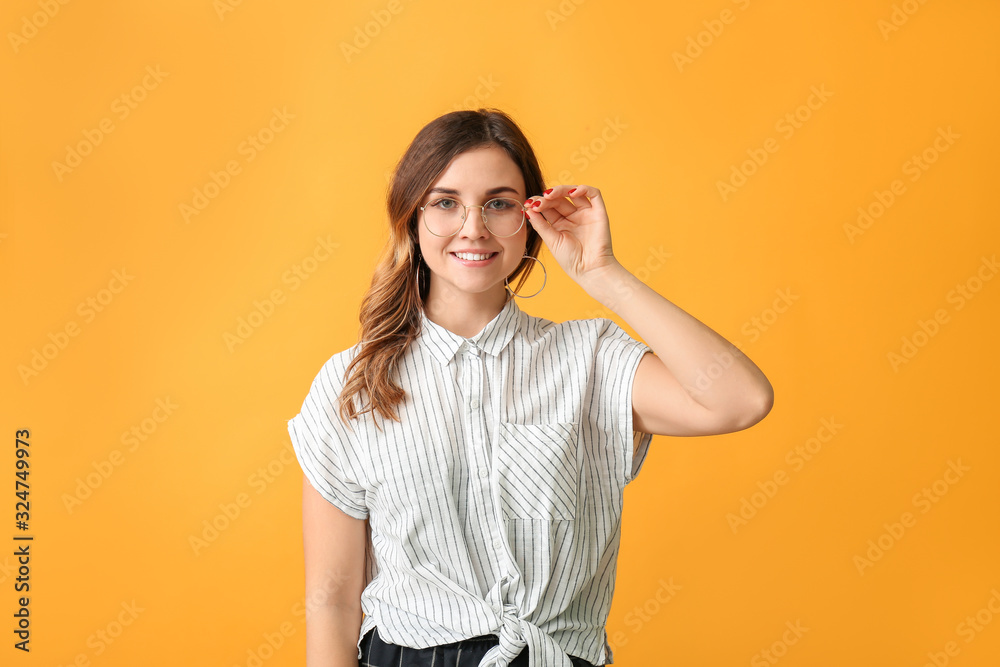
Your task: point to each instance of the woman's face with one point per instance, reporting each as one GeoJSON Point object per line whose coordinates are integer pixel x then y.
{"type": "Point", "coordinates": [473, 178]}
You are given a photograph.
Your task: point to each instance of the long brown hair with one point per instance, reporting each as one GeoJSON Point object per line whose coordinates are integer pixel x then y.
{"type": "Point", "coordinates": [391, 308]}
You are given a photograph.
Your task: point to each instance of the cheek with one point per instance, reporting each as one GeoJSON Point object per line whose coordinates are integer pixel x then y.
{"type": "Point", "coordinates": [519, 246]}
{"type": "Point", "coordinates": [514, 252]}
{"type": "Point", "coordinates": [430, 245]}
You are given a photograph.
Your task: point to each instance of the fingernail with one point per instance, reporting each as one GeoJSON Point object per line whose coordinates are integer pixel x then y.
{"type": "Point", "coordinates": [548, 191]}
{"type": "Point", "coordinates": [527, 202]}
{"type": "Point", "coordinates": [537, 202]}
{"type": "Point", "coordinates": [572, 191]}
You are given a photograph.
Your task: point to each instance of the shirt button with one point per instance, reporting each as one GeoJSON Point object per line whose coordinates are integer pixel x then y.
{"type": "Point", "coordinates": [474, 403]}
{"type": "Point", "coordinates": [497, 544]}
{"type": "Point", "coordinates": [484, 473]}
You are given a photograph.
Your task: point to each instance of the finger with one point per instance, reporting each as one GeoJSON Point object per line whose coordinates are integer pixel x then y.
{"type": "Point", "coordinates": [542, 226]}
{"type": "Point", "coordinates": [547, 211]}
{"type": "Point", "coordinates": [554, 204]}
{"type": "Point", "coordinates": [575, 194]}
{"type": "Point", "coordinates": [586, 196]}
{"type": "Point", "coordinates": [532, 206]}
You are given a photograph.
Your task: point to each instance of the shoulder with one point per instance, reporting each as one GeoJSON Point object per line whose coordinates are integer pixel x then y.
{"type": "Point", "coordinates": [582, 332]}
{"type": "Point", "coordinates": [330, 377]}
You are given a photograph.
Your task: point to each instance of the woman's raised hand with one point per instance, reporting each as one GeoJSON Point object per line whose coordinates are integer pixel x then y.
{"type": "Point", "coordinates": [573, 223]}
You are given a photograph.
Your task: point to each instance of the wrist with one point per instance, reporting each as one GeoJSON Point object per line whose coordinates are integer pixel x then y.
{"type": "Point", "coordinates": [612, 269]}
{"type": "Point", "coordinates": [610, 285]}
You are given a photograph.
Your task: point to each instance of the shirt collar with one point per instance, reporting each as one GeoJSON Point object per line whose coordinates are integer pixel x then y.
{"type": "Point", "coordinates": [445, 344]}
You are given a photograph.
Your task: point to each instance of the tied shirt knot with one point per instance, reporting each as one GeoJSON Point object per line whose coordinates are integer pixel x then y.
{"type": "Point", "coordinates": [516, 634]}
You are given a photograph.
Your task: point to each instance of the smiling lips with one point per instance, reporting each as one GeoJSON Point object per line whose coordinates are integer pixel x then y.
{"type": "Point", "coordinates": [474, 259]}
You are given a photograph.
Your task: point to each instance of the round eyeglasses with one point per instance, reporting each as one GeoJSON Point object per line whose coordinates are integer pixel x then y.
{"type": "Point", "coordinates": [502, 216]}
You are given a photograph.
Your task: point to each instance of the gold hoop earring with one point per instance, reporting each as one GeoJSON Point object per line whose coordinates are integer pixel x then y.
{"type": "Point", "coordinates": [420, 267]}
{"type": "Point", "coordinates": [545, 277]}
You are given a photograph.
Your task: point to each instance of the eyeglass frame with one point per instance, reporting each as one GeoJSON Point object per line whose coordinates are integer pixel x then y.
{"type": "Point", "coordinates": [465, 215]}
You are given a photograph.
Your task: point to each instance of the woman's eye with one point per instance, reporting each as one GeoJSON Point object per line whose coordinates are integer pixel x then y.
{"type": "Point", "coordinates": [501, 204]}
{"type": "Point", "coordinates": [445, 204]}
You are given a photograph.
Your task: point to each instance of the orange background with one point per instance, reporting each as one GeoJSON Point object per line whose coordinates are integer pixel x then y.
{"type": "Point", "coordinates": [606, 98]}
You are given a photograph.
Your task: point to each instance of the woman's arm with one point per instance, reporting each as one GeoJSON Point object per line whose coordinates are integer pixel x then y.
{"type": "Point", "coordinates": [697, 382]}
{"type": "Point", "coordinates": [334, 549]}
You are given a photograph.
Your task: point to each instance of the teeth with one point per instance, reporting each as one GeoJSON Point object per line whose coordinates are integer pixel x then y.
{"type": "Point", "coordinates": [469, 255]}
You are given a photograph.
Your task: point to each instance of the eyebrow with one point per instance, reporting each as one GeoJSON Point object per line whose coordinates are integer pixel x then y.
{"type": "Point", "coordinates": [491, 191]}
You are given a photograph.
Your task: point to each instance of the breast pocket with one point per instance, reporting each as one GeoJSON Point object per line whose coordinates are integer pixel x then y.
{"type": "Point", "coordinates": [539, 470]}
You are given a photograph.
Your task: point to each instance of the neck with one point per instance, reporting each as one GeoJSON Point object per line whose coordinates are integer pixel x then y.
{"type": "Point", "coordinates": [463, 313]}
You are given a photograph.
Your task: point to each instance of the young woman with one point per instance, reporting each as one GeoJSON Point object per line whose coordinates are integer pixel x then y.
{"type": "Point", "coordinates": [465, 462]}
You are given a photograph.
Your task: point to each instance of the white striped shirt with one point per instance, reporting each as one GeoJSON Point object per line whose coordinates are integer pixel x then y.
{"type": "Point", "coordinates": [495, 505]}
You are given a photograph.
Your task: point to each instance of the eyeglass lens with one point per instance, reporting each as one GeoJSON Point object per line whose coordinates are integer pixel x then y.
{"type": "Point", "coordinates": [444, 216]}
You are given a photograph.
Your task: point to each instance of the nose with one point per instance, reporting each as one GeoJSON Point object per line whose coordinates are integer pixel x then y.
{"type": "Point", "coordinates": [475, 223]}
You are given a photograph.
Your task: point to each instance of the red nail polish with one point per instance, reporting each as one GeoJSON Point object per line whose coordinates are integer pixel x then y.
{"type": "Point", "coordinates": [548, 191]}
{"type": "Point", "coordinates": [527, 202]}
{"type": "Point", "coordinates": [536, 203]}
{"type": "Point", "coordinates": [572, 191]}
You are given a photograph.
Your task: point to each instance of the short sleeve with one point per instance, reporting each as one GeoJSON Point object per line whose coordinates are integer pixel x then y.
{"type": "Point", "coordinates": [323, 444]}
{"type": "Point", "coordinates": [616, 361]}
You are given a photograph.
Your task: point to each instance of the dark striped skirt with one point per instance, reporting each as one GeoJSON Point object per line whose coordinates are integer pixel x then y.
{"type": "Point", "coordinates": [465, 653]}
